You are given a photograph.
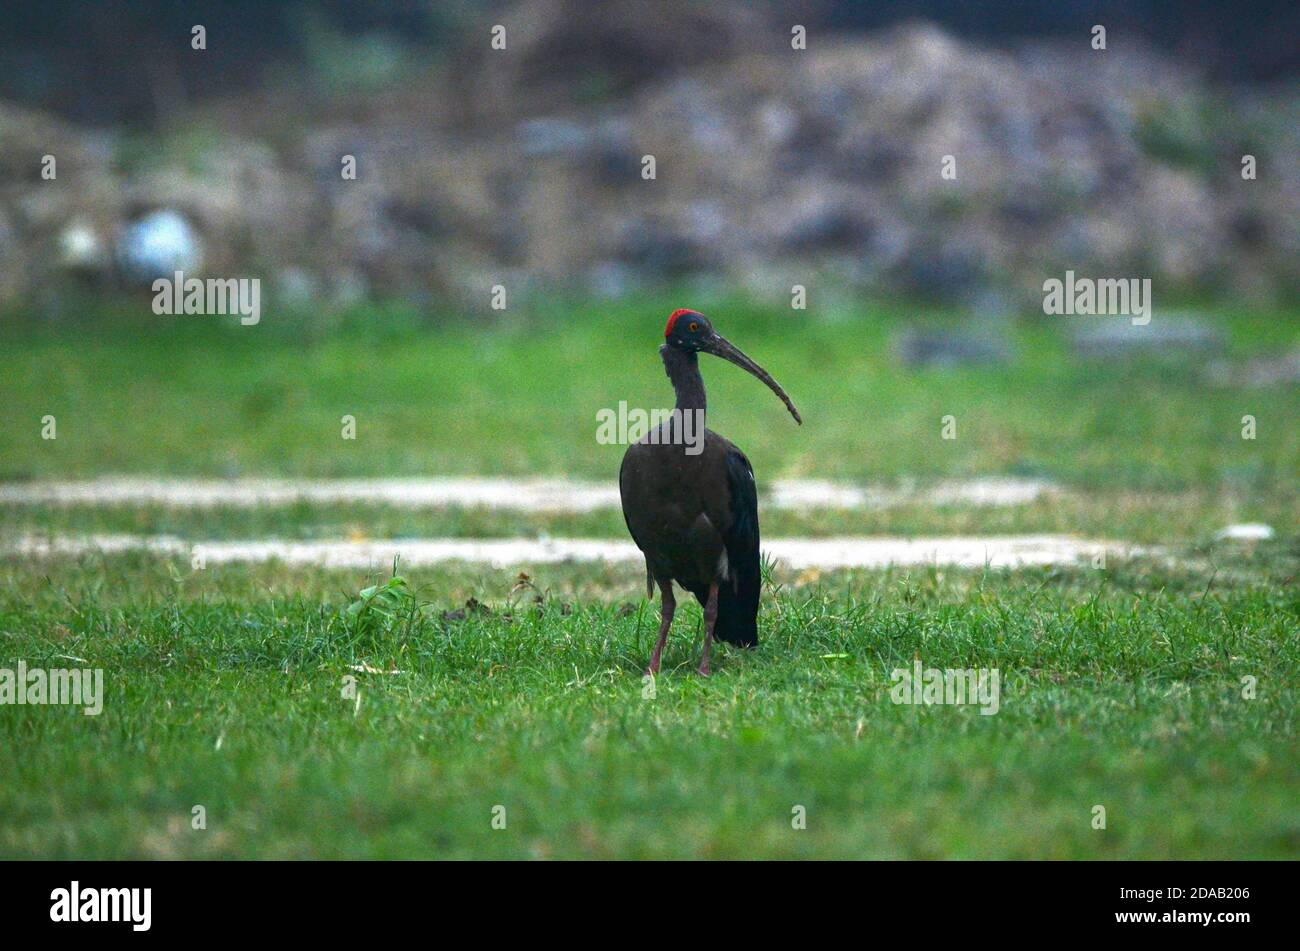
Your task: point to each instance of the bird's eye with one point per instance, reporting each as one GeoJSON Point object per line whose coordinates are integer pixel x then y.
{"type": "Point", "coordinates": [694, 327]}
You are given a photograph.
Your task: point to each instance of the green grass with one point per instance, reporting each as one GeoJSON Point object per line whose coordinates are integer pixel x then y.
{"type": "Point", "coordinates": [1191, 517]}
{"type": "Point", "coordinates": [518, 394]}
{"type": "Point", "coordinates": [1120, 688]}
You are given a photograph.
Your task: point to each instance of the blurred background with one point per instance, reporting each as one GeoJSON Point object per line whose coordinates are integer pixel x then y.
{"type": "Point", "coordinates": [774, 166]}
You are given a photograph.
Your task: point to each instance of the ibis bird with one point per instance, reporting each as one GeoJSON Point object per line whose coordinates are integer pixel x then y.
{"type": "Point", "coordinates": [692, 508]}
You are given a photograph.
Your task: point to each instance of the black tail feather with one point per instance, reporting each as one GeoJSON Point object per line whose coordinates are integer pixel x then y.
{"type": "Point", "coordinates": [738, 605]}
{"type": "Point", "coordinates": [738, 593]}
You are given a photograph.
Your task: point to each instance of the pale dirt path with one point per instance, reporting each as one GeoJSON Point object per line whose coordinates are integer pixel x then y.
{"type": "Point", "coordinates": [1016, 551]}
{"type": "Point", "coordinates": [528, 495]}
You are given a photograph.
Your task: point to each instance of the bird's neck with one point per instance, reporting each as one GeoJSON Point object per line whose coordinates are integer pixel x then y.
{"type": "Point", "coordinates": [684, 372]}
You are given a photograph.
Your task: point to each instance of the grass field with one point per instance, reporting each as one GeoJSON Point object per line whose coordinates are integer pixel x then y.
{"type": "Point", "coordinates": [1123, 689]}
{"type": "Point", "coordinates": [1162, 689]}
{"type": "Point", "coordinates": [518, 395]}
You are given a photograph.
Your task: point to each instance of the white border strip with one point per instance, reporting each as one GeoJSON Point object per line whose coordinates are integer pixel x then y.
{"type": "Point", "coordinates": [526, 495]}
{"type": "Point", "coordinates": [1016, 551]}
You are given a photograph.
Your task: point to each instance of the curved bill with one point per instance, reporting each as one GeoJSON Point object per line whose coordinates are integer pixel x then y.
{"type": "Point", "coordinates": [720, 346]}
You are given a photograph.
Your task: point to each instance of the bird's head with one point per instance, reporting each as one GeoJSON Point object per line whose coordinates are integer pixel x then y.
{"type": "Point", "coordinates": [690, 331]}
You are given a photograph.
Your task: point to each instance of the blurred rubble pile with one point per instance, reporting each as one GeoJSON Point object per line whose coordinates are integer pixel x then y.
{"type": "Point", "coordinates": [773, 167]}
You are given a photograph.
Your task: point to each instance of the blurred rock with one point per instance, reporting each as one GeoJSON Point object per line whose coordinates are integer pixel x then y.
{"type": "Point", "coordinates": [81, 249]}
{"type": "Point", "coordinates": [548, 137]}
{"type": "Point", "coordinates": [298, 287]}
{"type": "Point", "coordinates": [1256, 373]}
{"type": "Point", "coordinates": [610, 280]}
{"type": "Point", "coordinates": [158, 245]}
{"type": "Point", "coordinates": [1164, 335]}
{"type": "Point", "coordinates": [923, 349]}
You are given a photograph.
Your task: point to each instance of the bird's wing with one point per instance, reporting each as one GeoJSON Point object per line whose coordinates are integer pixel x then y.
{"type": "Point", "coordinates": [622, 491]}
{"type": "Point", "coordinates": [738, 596]}
{"type": "Point", "coordinates": [649, 576]}
{"type": "Point", "coordinates": [741, 536]}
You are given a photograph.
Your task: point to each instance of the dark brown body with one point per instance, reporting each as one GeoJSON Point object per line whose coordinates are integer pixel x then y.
{"type": "Point", "coordinates": [683, 510]}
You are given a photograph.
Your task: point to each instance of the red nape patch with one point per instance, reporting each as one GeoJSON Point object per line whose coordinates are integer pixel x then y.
{"type": "Point", "coordinates": [672, 319]}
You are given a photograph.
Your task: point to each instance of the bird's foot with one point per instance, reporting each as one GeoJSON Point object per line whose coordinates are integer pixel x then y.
{"type": "Point", "coordinates": [704, 668]}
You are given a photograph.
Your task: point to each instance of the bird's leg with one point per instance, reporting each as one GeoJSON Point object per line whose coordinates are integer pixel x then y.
{"type": "Point", "coordinates": [669, 606]}
{"type": "Point", "coordinates": [710, 618]}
